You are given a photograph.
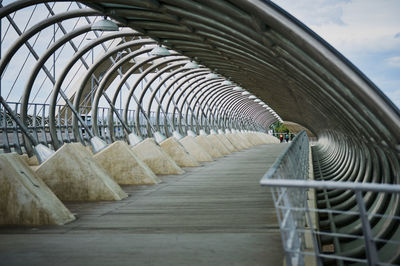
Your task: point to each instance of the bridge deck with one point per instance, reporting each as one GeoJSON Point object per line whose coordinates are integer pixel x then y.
{"type": "Point", "coordinates": [216, 214]}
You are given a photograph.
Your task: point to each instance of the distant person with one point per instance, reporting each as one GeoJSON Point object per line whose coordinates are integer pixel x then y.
{"type": "Point", "coordinates": [281, 138]}
{"type": "Point", "coordinates": [287, 138]}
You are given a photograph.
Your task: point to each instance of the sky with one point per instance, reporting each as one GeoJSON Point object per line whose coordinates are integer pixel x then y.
{"type": "Point", "coordinates": [367, 32]}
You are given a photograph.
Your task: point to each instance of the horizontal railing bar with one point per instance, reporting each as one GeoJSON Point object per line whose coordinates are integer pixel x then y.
{"type": "Point", "coordinates": [349, 213]}
{"type": "Point", "coordinates": [295, 183]}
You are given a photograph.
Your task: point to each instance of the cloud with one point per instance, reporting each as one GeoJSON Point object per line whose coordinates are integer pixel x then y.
{"type": "Point", "coordinates": [349, 25]}
{"type": "Point", "coordinates": [393, 61]}
{"type": "Point", "coordinates": [364, 31]}
{"type": "Point", "coordinates": [315, 12]}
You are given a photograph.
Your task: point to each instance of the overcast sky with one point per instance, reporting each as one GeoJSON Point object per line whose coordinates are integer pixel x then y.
{"type": "Point", "coordinates": [367, 32]}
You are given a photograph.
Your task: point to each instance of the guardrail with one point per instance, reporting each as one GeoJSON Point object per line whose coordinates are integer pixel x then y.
{"type": "Point", "coordinates": [371, 237]}
{"type": "Point", "coordinates": [11, 137]}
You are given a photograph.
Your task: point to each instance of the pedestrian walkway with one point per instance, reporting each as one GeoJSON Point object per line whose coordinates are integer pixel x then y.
{"type": "Point", "coordinates": [216, 214]}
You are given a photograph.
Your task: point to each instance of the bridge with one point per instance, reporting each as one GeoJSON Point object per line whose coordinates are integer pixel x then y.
{"type": "Point", "coordinates": [124, 120]}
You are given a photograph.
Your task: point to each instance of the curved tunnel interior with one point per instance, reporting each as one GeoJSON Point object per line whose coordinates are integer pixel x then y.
{"type": "Point", "coordinates": [177, 67]}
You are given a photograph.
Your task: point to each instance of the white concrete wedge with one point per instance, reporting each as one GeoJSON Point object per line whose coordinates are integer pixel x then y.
{"type": "Point", "coordinates": [270, 139]}
{"type": "Point", "coordinates": [251, 139]}
{"type": "Point", "coordinates": [155, 158]}
{"type": "Point", "coordinates": [214, 140]}
{"type": "Point", "coordinates": [74, 175]}
{"type": "Point", "coordinates": [25, 199]}
{"type": "Point", "coordinates": [204, 142]}
{"type": "Point", "coordinates": [32, 161]}
{"type": "Point", "coordinates": [226, 143]}
{"type": "Point", "coordinates": [235, 141]}
{"type": "Point", "coordinates": [242, 140]}
{"type": "Point", "coordinates": [195, 149]}
{"type": "Point", "coordinates": [124, 166]}
{"type": "Point", "coordinates": [178, 153]}
{"type": "Point", "coordinates": [256, 138]}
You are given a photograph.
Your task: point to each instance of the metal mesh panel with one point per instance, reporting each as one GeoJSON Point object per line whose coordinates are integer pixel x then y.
{"type": "Point", "coordinates": [367, 232]}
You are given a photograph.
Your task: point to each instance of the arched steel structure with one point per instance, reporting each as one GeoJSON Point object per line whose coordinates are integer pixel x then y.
{"type": "Point", "coordinates": [251, 44]}
{"type": "Point", "coordinates": [274, 56]}
{"type": "Point", "coordinates": [90, 102]}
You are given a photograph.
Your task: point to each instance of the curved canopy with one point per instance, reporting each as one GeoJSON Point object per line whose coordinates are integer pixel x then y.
{"type": "Point", "coordinates": [271, 54]}
{"type": "Point", "coordinates": [269, 65]}
{"type": "Point", "coordinates": [80, 81]}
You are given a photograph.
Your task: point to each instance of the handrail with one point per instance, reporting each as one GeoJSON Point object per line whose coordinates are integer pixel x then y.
{"type": "Point", "coordinates": [292, 164]}
{"type": "Point", "coordinates": [296, 145]}
{"type": "Point", "coordinates": [297, 212]}
{"type": "Point", "coordinates": [316, 184]}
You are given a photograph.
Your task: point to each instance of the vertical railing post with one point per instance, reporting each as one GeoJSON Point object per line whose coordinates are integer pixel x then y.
{"type": "Point", "coordinates": [370, 247]}
{"type": "Point", "coordinates": [314, 237]}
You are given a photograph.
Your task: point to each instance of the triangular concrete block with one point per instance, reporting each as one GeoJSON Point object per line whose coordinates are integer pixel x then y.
{"type": "Point", "coordinates": [178, 153]}
{"type": "Point", "coordinates": [204, 142]}
{"type": "Point", "coordinates": [156, 159]}
{"type": "Point", "coordinates": [89, 149]}
{"type": "Point", "coordinates": [32, 161]}
{"type": "Point", "coordinates": [251, 139]}
{"type": "Point", "coordinates": [124, 166]}
{"type": "Point", "coordinates": [195, 149]}
{"type": "Point", "coordinates": [264, 139]}
{"type": "Point", "coordinates": [227, 143]}
{"type": "Point", "coordinates": [235, 141]}
{"type": "Point", "coordinates": [242, 140]}
{"type": "Point", "coordinates": [25, 199]}
{"type": "Point", "coordinates": [256, 138]}
{"type": "Point", "coordinates": [214, 140]}
{"type": "Point", "coordinates": [268, 139]}
{"type": "Point", "coordinates": [73, 175]}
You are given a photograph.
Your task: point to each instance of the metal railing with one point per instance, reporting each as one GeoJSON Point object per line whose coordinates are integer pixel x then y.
{"type": "Point", "coordinates": [370, 237]}
{"type": "Point", "coordinates": [292, 164]}
{"type": "Point", "coordinates": [11, 136]}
